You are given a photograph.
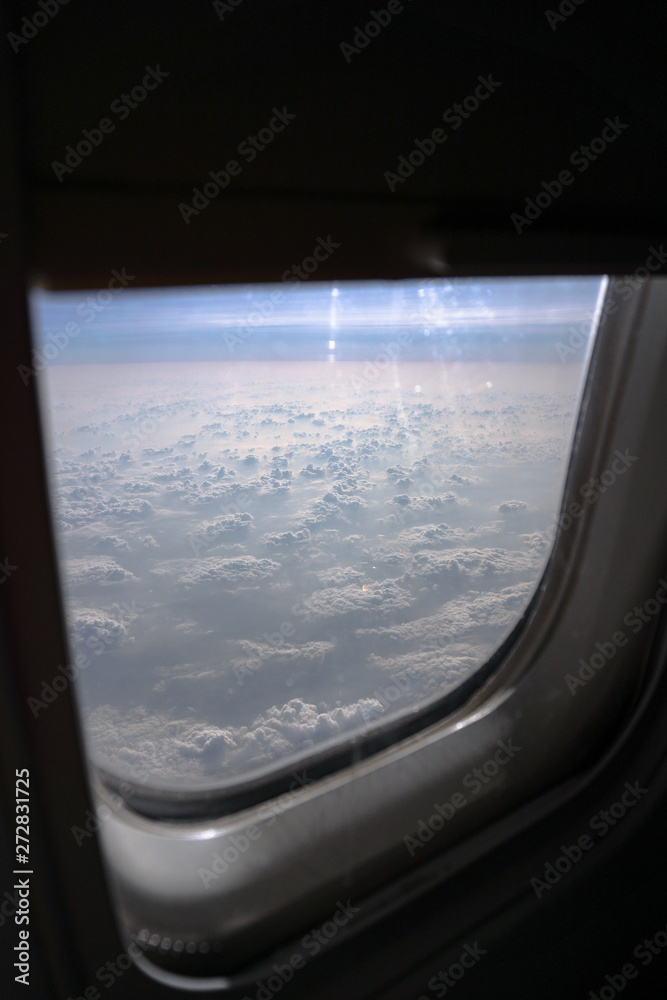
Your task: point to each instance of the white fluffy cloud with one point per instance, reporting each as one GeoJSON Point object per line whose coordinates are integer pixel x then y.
{"type": "Point", "coordinates": [140, 743]}
{"type": "Point", "coordinates": [83, 572]}
{"type": "Point", "coordinates": [241, 570]}
{"type": "Point", "coordinates": [384, 599]}
{"type": "Point", "coordinates": [92, 627]}
{"type": "Point", "coordinates": [470, 564]}
{"type": "Point", "coordinates": [295, 547]}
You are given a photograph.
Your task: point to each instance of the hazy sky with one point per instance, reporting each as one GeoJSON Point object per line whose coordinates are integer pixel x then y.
{"type": "Point", "coordinates": [209, 322]}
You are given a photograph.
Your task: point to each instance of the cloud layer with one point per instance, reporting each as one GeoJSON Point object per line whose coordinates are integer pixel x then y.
{"type": "Point", "coordinates": [259, 558]}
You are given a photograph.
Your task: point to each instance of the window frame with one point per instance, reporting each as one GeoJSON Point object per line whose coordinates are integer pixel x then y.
{"type": "Point", "coordinates": [608, 414]}
{"type": "Point", "coordinates": [380, 800]}
{"type": "Point", "coordinates": [446, 750]}
{"type": "Point", "coordinates": [75, 235]}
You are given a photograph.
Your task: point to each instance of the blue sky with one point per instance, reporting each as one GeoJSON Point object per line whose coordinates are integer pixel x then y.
{"type": "Point", "coordinates": [298, 321]}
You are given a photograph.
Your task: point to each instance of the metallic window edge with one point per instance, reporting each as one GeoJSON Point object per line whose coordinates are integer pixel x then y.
{"type": "Point", "coordinates": [345, 834]}
{"type": "Point", "coordinates": [439, 868]}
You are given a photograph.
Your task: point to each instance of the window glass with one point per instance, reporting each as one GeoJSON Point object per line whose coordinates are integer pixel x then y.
{"type": "Point", "coordinates": [285, 513]}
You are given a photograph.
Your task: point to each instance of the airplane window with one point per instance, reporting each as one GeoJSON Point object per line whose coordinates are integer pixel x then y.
{"type": "Point", "coordinates": [288, 513]}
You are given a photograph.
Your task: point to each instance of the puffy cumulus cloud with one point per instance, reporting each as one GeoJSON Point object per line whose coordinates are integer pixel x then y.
{"type": "Point", "coordinates": [219, 530]}
{"type": "Point", "coordinates": [83, 505]}
{"type": "Point", "coordinates": [384, 599]}
{"type": "Point", "coordinates": [312, 471]}
{"type": "Point", "coordinates": [241, 570]}
{"type": "Point", "coordinates": [274, 483]}
{"type": "Point", "coordinates": [470, 563]}
{"type": "Point", "coordinates": [431, 536]}
{"type": "Point", "coordinates": [406, 504]}
{"type": "Point", "coordinates": [333, 508]}
{"type": "Point", "coordinates": [320, 514]}
{"type": "Point", "coordinates": [299, 724]}
{"type": "Point", "coordinates": [226, 494]}
{"type": "Point", "coordinates": [174, 474]}
{"type": "Point", "coordinates": [145, 746]}
{"type": "Point", "coordinates": [206, 744]}
{"type": "Point", "coordinates": [92, 628]}
{"type": "Point", "coordinates": [78, 494]}
{"type": "Point", "coordinates": [344, 501]}
{"type": "Point", "coordinates": [510, 506]}
{"type": "Point", "coordinates": [278, 476]}
{"type": "Point", "coordinates": [138, 487]}
{"type": "Point", "coordinates": [432, 671]}
{"type": "Point", "coordinates": [472, 613]}
{"type": "Point", "coordinates": [537, 542]}
{"type": "Point", "coordinates": [149, 542]}
{"type": "Point", "coordinates": [345, 485]}
{"type": "Point", "coordinates": [286, 539]}
{"type": "Point", "coordinates": [83, 572]}
{"type": "Point", "coordinates": [397, 473]}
